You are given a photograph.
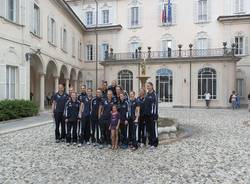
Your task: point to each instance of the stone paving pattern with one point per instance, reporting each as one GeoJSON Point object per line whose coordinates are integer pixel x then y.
{"type": "Point", "coordinates": [218, 152]}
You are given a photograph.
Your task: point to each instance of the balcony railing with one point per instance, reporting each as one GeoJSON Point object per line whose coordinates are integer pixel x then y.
{"type": "Point", "coordinates": [170, 54]}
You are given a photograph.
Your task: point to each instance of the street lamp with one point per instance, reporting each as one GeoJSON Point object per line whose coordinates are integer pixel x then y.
{"type": "Point", "coordinates": [96, 46]}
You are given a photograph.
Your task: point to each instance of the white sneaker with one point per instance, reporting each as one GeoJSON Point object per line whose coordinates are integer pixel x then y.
{"type": "Point", "coordinates": [79, 145]}
{"type": "Point", "coordinates": [74, 143]}
{"type": "Point", "coordinates": [142, 145]}
{"type": "Point", "coordinates": [88, 143]}
{"type": "Point", "coordinates": [109, 146]}
{"type": "Point", "coordinates": [94, 144]}
{"type": "Point", "coordinates": [68, 144]}
{"type": "Point", "coordinates": [152, 147]}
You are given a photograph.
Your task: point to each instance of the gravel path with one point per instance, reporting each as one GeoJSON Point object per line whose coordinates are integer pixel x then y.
{"type": "Point", "coordinates": [218, 152]}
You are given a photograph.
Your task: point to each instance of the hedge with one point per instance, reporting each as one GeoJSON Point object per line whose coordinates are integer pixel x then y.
{"type": "Point", "coordinates": [14, 109]}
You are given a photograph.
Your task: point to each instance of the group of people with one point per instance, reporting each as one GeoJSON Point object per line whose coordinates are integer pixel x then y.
{"type": "Point", "coordinates": [234, 99]}
{"type": "Point", "coordinates": [111, 118]}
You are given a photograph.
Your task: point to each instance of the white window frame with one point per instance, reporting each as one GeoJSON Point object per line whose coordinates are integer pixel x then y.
{"type": "Point", "coordinates": [10, 82]}
{"type": "Point", "coordinates": [239, 49]}
{"type": "Point", "coordinates": [89, 84]}
{"type": "Point", "coordinates": [105, 16]}
{"type": "Point", "coordinates": [64, 39]}
{"type": "Point", "coordinates": [12, 13]}
{"type": "Point", "coordinates": [105, 47]}
{"type": "Point", "coordinates": [90, 52]}
{"type": "Point", "coordinates": [135, 22]}
{"type": "Point", "coordinates": [202, 10]}
{"type": "Point", "coordinates": [36, 20]}
{"type": "Point", "coordinates": [73, 41]}
{"type": "Point", "coordinates": [80, 50]}
{"type": "Point", "coordinates": [211, 77]}
{"type": "Point", "coordinates": [125, 79]}
{"type": "Point", "coordinates": [240, 87]}
{"type": "Point", "coordinates": [52, 31]}
{"type": "Point", "coordinates": [89, 19]}
{"type": "Point", "coordinates": [239, 7]}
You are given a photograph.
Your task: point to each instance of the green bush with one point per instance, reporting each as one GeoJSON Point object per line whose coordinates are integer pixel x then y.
{"type": "Point", "coordinates": [14, 109]}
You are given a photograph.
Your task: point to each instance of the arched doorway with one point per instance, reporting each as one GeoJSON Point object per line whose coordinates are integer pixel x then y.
{"type": "Point", "coordinates": [125, 79]}
{"type": "Point", "coordinates": [50, 80]}
{"type": "Point", "coordinates": [73, 79]}
{"type": "Point", "coordinates": [64, 77]}
{"type": "Point", "coordinates": [164, 85]}
{"type": "Point", "coordinates": [80, 80]}
{"type": "Point", "coordinates": [37, 81]}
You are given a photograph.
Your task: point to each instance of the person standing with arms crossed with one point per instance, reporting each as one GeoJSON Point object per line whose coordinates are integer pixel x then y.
{"type": "Point", "coordinates": [58, 105]}
{"type": "Point", "coordinates": [151, 115]}
{"type": "Point", "coordinates": [95, 116]}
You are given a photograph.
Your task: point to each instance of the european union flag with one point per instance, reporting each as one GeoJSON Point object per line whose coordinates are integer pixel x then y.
{"type": "Point", "coordinates": [169, 20]}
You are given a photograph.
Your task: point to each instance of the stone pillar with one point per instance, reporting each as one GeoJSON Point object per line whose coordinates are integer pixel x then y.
{"type": "Point", "coordinates": [67, 85]}
{"type": "Point", "coordinates": [42, 85]}
{"type": "Point", "coordinates": [56, 83]}
{"type": "Point", "coordinates": [75, 85]}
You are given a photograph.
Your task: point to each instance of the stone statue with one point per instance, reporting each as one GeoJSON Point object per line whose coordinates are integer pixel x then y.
{"type": "Point", "coordinates": [143, 68]}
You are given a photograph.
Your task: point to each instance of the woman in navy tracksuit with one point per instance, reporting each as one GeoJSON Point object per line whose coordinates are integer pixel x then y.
{"type": "Point", "coordinates": [123, 110]}
{"type": "Point", "coordinates": [95, 115]}
{"type": "Point", "coordinates": [151, 115]}
{"type": "Point", "coordinates": [72, 115]}
{"type": "Point", "coordinates": [142, 124]}
{"type": "Point", "coordinates": [85, 117]}
{"type": "Point", "coordinates": [133, 117]}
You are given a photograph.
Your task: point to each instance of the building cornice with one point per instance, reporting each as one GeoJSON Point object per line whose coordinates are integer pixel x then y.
{"type": "Point", "coordinates": [117, 27]}
{"type": "Point", "coordinates": [229, 18]}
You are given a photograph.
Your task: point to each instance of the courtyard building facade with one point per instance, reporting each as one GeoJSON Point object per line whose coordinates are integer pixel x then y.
{"type": "Point", "coordinates": [41, 46]}
{"type": "Point", "coordinates": [161, 26]}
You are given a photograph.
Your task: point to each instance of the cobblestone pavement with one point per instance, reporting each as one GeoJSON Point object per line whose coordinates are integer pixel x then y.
{"type": "Point", "coordinates": [218, 152]}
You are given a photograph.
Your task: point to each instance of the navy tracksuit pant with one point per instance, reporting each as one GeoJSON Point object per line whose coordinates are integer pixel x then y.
{"type": "Point", "coordinates": [142, 130]}
{"type": "Point", "coordinates": [59, 121]}
{"type": "Point", "coordinates": [71, 125]}
{"type": "Point", "coordinates": [105, 132]}
{"type": "Point", "coordinates": [152, 130]}
{"type": "Point", "coordinates": [95, 131]}
{"type": "Point", "coordinates": [124, 133]}
{"type": "Point", "coordinates": [84, 129]}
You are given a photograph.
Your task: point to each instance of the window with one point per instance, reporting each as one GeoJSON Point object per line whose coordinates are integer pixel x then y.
{"type": "Point", "coordinates": [134, 49]}
{"type": "Point", "coordinates": [80, 55]}
{"type": "Point", "coordinates": [73, 46]}
{"type": "Point", "coordinates": [64, 39]}
{"type": "Point", "coordinates": [239, 41]}
{"type": "Point", "coordinates": [105, 50]}
{"type": "Point", "coordinates": [238, 6]}
{"type": "Point", "coordinates": [239, 87]}
{"type": "Point", "coordinates": [89, 84]}
{"type": "Point", "coordinates": [89, 17]}
{"type": "Point", "coordinates": [12, 10]}
{"type": "Point", "coordinates": [11, 82]}
{"type": "Point", "coordinates": [36, 25]}
{"type": "Point", "coordinates": [167, 13]}
{"type": "Point", "coordinates": [105, 16]}
{"type": "Point", "coordinates": [90, 52]}
{"type": "Point", "coordinates": [125, 79]}
{"type": "Point", "coordinates": [202, 10]}
{"type": "Point", "coordinates": [52, 30]}
{"type": "Point", "coordinates": [207, 82]}
{"type": "Point", "coordinates": [134, 16]}
{"type": "Point", "coordinates": [167, 48]}
{"type": "Point", "coordinates": [164, 85]}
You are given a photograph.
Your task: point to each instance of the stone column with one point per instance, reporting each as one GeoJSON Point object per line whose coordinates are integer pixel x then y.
{"type": "Point", "coordinates": [75, 85]}
{"type": "Point", "coordinates": [56, 83]}
{"type": "Point", "coordinates": [67, 85]}
{"type": "Point", "coordinates": [42, 81]}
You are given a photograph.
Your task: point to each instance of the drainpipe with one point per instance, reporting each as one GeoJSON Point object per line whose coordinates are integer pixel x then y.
{"type": "Point", "coordinates": [190, 76]}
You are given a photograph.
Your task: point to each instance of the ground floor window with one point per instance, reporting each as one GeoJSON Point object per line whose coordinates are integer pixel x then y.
{"type": "Point", "coordinates": [207, 83]}
{"type": "Point", "coordinates": [239, 87]}
{"type": "Point", "coordinates": [125, 79]}
{"type": "Point", "coordinates": [89, 84]}
{"type": "Point", "coordinates": [164, 85]}
{"type": "Point", "coordinates": [11, 82]}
